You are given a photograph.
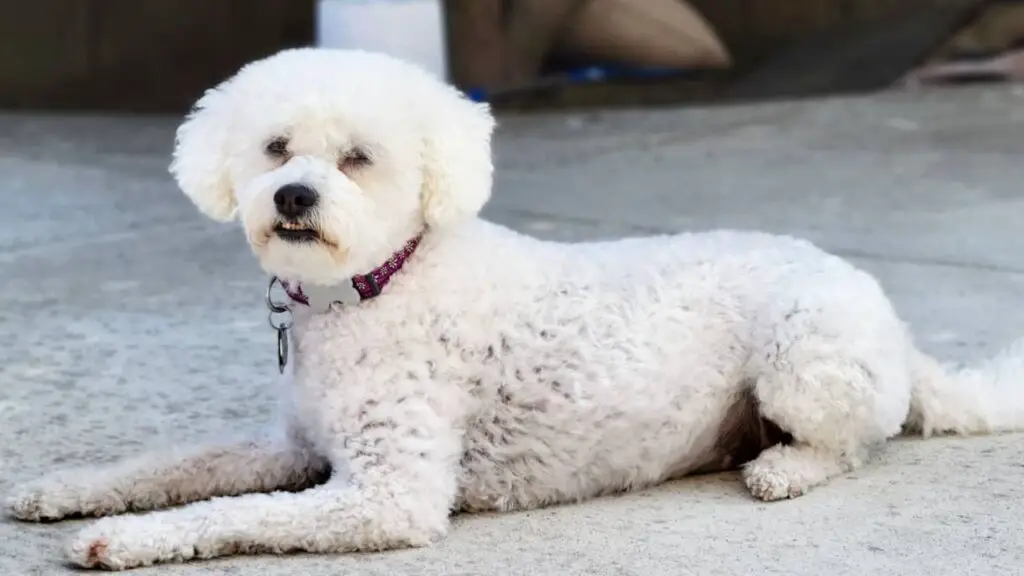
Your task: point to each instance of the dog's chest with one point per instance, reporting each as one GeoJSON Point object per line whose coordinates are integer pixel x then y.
{"type": "Point", "coordinates": [353, 380]}
{"type": "Point", "coordinates": [332, 377]}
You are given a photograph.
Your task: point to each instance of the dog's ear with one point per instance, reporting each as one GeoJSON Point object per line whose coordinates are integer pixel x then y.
{"type": "Point", "coordinates": [200, 156]}
{"type": "Point", "coordinates": [457, 160]}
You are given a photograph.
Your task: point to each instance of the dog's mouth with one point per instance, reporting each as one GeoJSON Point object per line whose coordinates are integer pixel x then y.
{"type": "Point", "coordinates": [296, 232]}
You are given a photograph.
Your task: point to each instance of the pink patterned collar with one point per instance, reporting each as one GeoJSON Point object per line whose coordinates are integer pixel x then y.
{"type": "Point", "coordinates": [362, 287]}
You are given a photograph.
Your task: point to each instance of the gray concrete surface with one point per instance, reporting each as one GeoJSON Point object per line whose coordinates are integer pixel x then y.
{"type": "Point", "coordinates": [128, 322]}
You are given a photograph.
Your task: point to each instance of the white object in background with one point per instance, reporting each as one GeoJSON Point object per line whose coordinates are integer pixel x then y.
{"type": "Point", "coordinates": [412, 30]}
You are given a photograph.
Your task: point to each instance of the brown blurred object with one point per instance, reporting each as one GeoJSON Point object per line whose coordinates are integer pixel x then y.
{"type": "Point", "coordinates": [999, 27]}
{"type": "Point", "coordinates": [988, 49]}
{"type": "Point", "coordinates": [662, 33]}
{"type": "Point", "coordinates": [532, 29]}
{"type": "Point", "coordinates": [497, 44]}
{"type": "Point", "coordinates": [136, 55]}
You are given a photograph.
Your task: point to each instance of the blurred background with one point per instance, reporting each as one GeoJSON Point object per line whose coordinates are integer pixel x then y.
{"type": "Point", "coordinates": [158, 55]}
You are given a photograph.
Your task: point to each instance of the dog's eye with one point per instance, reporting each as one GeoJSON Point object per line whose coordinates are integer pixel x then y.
{"type": "Point", "coordinates": [354, 159]}
{"type": "Point", "coordinates": [278, 147]}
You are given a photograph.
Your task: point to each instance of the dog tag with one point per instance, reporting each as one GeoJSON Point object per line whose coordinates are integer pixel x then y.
{"type": "Point", "coordinates": [321, 298]}
{"type": "Point", "coordinates": [282, 349]}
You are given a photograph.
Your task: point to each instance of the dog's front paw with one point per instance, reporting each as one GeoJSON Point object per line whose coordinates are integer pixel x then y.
{"type": "Point", "coordinates": [59, 496]}
{"type": "Point", "coordinates": [128, 542]}
{"type": "Point", "coordinates": [43, 500]}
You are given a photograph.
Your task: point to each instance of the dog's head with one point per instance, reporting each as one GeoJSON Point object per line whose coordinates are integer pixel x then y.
{"type": "Point", "coordinates": [333, 159]}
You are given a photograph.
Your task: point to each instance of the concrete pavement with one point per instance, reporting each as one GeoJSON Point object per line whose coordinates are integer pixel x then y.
{"type": "Point", "coordinates": [128, 322]}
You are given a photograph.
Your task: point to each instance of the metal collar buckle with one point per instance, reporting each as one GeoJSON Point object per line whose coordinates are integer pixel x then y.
{"type": "Point", "coordinates": [280, 319]}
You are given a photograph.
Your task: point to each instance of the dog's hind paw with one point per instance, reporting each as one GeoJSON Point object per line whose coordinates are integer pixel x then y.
{"type": "Point", "coordinates": [37, 502]}
{"type": "Point", "coordinates": [771, 485]}
{"type": "Point", "coordinates": [783, 472]}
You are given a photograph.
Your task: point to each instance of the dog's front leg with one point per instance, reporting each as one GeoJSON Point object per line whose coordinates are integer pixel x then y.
{"type": "Point", "coordinates": [331, 518]}
{"type": "Point", "coordinates": [169, 478]}
{"type": "Point", "coordinates": [393, 487]}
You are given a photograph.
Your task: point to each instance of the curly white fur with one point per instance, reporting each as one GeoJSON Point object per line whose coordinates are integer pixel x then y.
{"type": "Point", "coordinates": [498, 371]}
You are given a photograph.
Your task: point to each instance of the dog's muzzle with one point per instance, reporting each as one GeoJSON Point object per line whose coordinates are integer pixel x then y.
{"type": "Point", "coordinates": [295, 201]}
{"type": "Point", "coordinates": [294, 204]}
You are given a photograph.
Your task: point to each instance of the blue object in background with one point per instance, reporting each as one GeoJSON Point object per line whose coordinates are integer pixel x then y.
{"type": "Point", "coordinates": [596, 73]}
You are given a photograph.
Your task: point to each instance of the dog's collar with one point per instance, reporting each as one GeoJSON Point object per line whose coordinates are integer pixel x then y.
{"type": "Point", "coordinates": [359, 288]}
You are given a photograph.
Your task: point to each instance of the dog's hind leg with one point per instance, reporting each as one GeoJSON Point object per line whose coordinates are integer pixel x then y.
{"type": "Point", "coordinates": [837, 387]}
{"type": "Point", "coordinates": [162, 479]}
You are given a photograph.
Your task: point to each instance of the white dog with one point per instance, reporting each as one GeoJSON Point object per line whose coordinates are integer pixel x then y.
{"type": "Point", "coordinates": [442, 363]}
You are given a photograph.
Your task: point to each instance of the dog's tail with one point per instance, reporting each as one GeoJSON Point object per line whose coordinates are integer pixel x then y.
{"type": "Point", "coordinates": [987, 398]}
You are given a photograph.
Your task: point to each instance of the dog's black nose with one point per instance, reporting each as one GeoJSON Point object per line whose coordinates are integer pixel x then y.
{"type": "Point", "coordinates": [294, 200]}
